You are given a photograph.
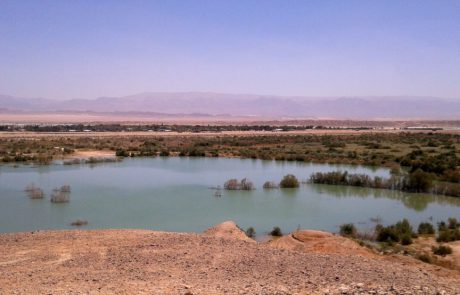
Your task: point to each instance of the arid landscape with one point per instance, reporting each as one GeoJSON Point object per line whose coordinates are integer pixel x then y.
{"type": "Point", "coordinates": [230, 147]}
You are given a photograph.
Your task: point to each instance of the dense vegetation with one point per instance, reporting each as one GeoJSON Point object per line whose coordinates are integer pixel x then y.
{"type": "Point", "coordinates": [430, 159]}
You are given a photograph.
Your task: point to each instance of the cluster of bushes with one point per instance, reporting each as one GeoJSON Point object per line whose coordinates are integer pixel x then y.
{"type": "Point", "coordinates": [417, 181]}
{"type": "Point", "coordinates": [288, 181]}
{"type": "Point", "coordinates": [234, 184]}
{"type": "Point", "coordinates": [401, 232]}
{"type": "Point", "coordinates": [59, 195]}
{"type": "Point", "coordinates": [448, 232]}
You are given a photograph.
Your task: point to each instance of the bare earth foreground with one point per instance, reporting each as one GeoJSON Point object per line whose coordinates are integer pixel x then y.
{"type": "Point", "coordinates": [220, 261]}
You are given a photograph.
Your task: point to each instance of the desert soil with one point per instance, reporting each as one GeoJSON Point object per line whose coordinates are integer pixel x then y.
{"type": "Point", "coordinates": [220, 261]}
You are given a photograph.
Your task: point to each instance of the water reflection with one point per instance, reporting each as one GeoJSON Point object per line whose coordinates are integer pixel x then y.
{"type": "Point", "coordinates": [417, 202]}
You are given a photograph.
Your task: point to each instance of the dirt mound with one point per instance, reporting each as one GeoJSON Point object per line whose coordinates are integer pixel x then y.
{"type": "Point", "coordinates": [312, 241]}
{"type": "Point", "coordinates": [227, 230]}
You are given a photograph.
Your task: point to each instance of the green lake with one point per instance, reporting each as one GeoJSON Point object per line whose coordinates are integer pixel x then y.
{"type": "Point", "coordinates": [175, 194]}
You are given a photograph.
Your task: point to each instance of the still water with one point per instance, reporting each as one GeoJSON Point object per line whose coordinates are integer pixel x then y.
{"type": "Point", "coordinates": [175, 194]}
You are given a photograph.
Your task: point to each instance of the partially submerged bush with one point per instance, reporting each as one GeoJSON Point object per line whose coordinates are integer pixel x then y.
{"type": "Point", "coordinates": [425, 228]}
{"type": "Point", "coordinates": [65, 188]}
{"type": "Point", "coordinates": [34, 192]}
{"type": "Point", "coordinates": [276, 232]}
{"type": "Point", "coordinates": [61, 195]}
{"type": "Point", "coordinates": [246, 184]}
{"type": "Point", "coordinates": [234, 184]}
{"type": "Point", "coordinates": [419, 181]}
{"type": "Point", "coordinates": [79, 222]}
{"type": "Point", "coordinates": [289, 181]}
{"type": "Point", "coordinates": [231, 184]}
{"type": "Point", "coordinates": [348, 229]}
{"type": "Point", "coordinates": [442, 250]}
{"type": "Point", "coordinates": [270, 185]}
{"type": "Point", "coordinates": [251, 232]}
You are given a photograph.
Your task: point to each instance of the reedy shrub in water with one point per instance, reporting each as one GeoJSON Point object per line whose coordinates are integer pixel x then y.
{"type": "Point", "coordinates": [289, 181]}
{"type": "Point", "coordinates": [234, 184]}
{"type": "Point", "coordinates": [270, 185]}
{"type": "Point", "coordinates": [34, 192]}
{"type": "Point", "coordinates": [61, 195]}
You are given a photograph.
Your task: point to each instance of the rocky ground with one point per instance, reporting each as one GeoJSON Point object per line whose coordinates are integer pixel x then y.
{"type": "Point", "coordinates": [221, 261]}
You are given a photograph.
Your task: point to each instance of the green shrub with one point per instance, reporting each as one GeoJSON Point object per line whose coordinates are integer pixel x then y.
{"type": "Point", "coordinates": [289, 181]}
{"type": "Point", "coordinates": [442, 250]}
{"type": "Point", "coordinates": [419, 181]}
{"type": "Point", "coordinates": [399, 232]}
{"type": "Point", "coordinates": [448, 235]}
{"type": "Point", "coordinates": [348, 229]}
{"type": "Point", "coordinates": [276, 232]}
{"type": "Point", "coordinates": [452, 223]}
{"type": "Point", "coordinates": [448, 232]}
{"type": "Point", "coordinates": [425, 228]}
{"type": "Point", "coordinates": [387, 234]}
{"type": "Point", "coordinates": [251, 232]}
{"type": "Point", "coordinates": [406, 240]}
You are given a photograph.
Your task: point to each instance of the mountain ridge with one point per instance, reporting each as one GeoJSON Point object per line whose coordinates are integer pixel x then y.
{"type": "Point", "coordinates": [210, 103]}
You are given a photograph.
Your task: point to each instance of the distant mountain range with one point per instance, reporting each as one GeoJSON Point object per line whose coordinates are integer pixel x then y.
{"type": "Point", "coordinates": [217, 104]}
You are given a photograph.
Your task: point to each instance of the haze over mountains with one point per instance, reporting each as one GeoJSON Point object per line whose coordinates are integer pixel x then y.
{"type": "Point", "coordinates": [217, 104]}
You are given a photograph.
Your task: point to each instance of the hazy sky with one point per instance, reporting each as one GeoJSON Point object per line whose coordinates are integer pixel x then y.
{"type": "Point", "coordinates": [86, 49]}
